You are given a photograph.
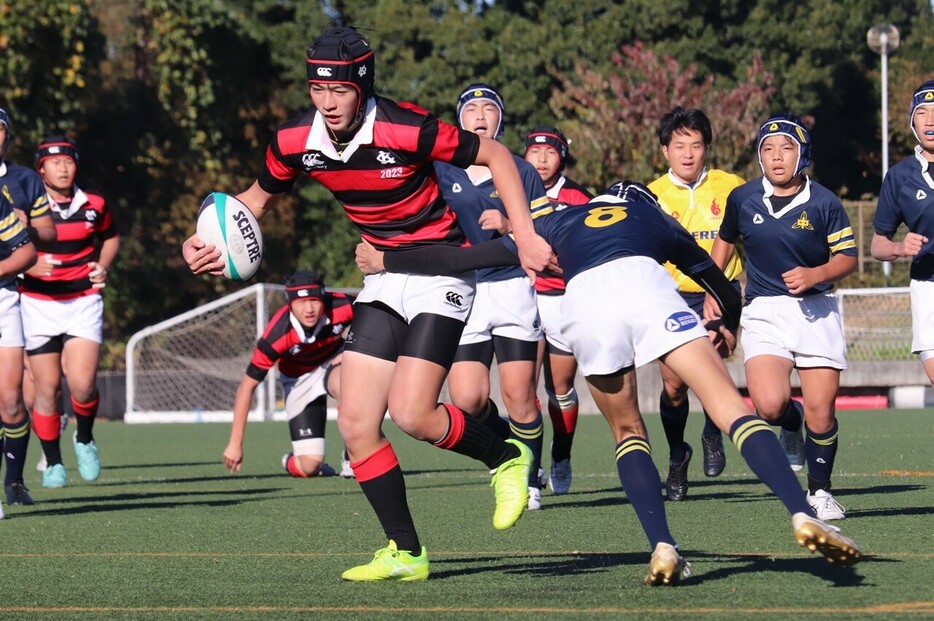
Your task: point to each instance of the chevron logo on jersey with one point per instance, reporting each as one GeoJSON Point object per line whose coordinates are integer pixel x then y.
{"type": "Point", "coordinates": [802, 222]}
{"type": "Point", "coordinates": [919, 196]}
{"type": "Point", "coordinates": [757, 219]}
{"type": "Point", "coordinates": [456, 188]}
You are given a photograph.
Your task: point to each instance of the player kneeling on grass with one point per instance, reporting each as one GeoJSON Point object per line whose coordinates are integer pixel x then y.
{"type": "Point", "coordinates": [611, 251]}
{"type": "Point", "coordinates": [305, 337]}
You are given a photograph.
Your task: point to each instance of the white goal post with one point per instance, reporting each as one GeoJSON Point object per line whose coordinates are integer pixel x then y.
{"type": "Point", "coordinates": [187, 368]}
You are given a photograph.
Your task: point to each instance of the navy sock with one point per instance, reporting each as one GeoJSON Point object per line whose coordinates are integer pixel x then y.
{"type": "Point", "coordinates": [531, 435]}
{"type": "Point", "coordinates": [490, 417]}
{"type": "Point", "coordinates": [15, 444]}
{"type": "Point", "coordinates": [710, 428]}
{"type": "Point", "coordinates": [820, 450]}
{"type": "Point", "coordinates": [674, 420]}
{"type": "Point", "coordinates": [792, 417]}
{"type": "Point", "coordinates": [640, 480]}
{"type": "Point", "coordinates": [761, 450]}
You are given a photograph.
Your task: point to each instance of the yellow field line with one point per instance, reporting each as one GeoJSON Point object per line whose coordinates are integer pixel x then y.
{"type": "Point", "coordinates": [881, 609]}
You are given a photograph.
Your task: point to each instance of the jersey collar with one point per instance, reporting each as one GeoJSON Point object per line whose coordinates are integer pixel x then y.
{"type": "Point", "coordinates": [554, 190]}
{"type": "Point", "coordinates": [688, 186]}
{"type": "Point", "coordinates": [2, 168]}
{"type": "Point", "coordinates": [78, 200]}
{"type": "Point", "coordinates": [300, 329]}
{"type": "Point", "coordinates": [319, 140]}
{"type": "Point", "coordinates": [803, 196]}
{"type": "Point", "coordinates": [925, 166]}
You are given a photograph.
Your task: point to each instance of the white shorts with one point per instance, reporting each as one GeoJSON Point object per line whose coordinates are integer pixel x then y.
{"type": "Point", "coordinates": [410, 295]}
{"type": "Point", "coordinates": [549, 311]}
{"type": "Point", "coordinates": [504, 308]}
{"type": "Point", "coordinates": [805, 330]}
{"type": "Point", "coordinates": [11, 322]}
{"type": "Point", "coordinates": [302, 390]}
{"type": "Point", "coordinates": [44, 320]}
{"type": "Point", "coordinates": [623, 313]}
{"type": "Point", "coordinates": [922, 318]}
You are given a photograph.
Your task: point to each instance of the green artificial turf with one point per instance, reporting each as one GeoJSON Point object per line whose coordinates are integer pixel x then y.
{"type": "Point", "coordinates": [166, 533]}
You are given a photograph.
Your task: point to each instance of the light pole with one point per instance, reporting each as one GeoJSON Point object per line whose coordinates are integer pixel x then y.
{"type": "Point", "coordinates": [883, 39]}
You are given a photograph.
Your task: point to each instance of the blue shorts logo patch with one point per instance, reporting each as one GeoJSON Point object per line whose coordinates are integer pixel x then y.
{"type": "Point", "coordinates": [680, 321]}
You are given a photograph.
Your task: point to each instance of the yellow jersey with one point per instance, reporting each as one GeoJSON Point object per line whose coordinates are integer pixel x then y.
{"type": "Point", "coordinates": [699, 209]}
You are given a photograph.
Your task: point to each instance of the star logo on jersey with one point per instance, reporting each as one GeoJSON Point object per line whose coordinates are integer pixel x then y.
{"type": "Point", "coordinates": [714, 207]}
{"type": "Point", "coordinates": [757, 219]}
{"type": "Point", "coordinates": [680, 321]}
{"type": "Point", "coordinates": [456, 188]}
{"type": "Point", "coordinates": [920, 195]}
{"type": "Point", "coordinates": [802, 222]}
{"type": "Point", "coordinates": [385, 158]}
{"type": "Point", "coordinates": [311, 160]}
{"type": "Point", "coordinates": [454, 299]}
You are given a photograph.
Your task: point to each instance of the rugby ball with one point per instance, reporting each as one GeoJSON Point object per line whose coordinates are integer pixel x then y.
{"type": "Point", "coordinates": [229, 224]}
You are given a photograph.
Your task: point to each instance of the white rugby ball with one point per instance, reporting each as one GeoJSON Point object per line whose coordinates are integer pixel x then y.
{"type": "Point", "coordinates": [229, 224]}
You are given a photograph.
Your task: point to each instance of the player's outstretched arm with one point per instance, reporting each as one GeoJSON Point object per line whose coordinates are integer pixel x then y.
{"type": "Point", "coordinates": [437, 260]}
{"type": "Point", "coordinates": [233, 454]}
{"type": "Point", "coordinates": [534, 251]}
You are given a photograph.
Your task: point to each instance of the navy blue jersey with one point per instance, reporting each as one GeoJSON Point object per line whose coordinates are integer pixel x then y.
{"type": "Point", "coordinates": [611, 227]}
{"type": "Point", "coordinates": [804, 233]}
{"type": "Point", "coordinates": [12, 236]}
{"type": "Point", "coordinates": [468, 201]}
{"type": "Point", "coordinates": [907, 197]}
{"type": "Point", "coordinates": [24, 189]}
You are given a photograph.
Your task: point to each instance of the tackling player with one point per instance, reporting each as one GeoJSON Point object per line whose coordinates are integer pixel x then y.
{"type": "Point", "coordinates": [695, 197]}
{"type": "Point", "coordinates": [504, 315]}
{"type": "Point", "coordinates": [798, 242]}
{"type": "Point", "coordinates": [375, 156]}
{"type": "Point", "coordinates": [63, 310]}
{"type": "Point", "coordinates": [907, 196]}
{"type": "Point", "coordinates": [549, 151]}
{"type": "Point", "coordinates": [616, 244]}
{"type": "Point", "coordinates": [17, 254]}
{"type": "Point", "coordinates": [305, 338]}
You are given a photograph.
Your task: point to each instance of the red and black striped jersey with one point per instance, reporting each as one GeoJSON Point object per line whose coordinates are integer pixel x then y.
{"type": "Point", "coordinates": [297, 349]}
{"type": "Point", "coordinates": [81, 224]}
{"type": "Point", "coordinates": [563, 193]}
{"type": "Point", "coordinates": [383, 177]}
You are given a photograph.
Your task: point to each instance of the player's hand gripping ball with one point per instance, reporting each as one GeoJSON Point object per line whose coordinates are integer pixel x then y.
{"type": "Point", "coordinates": [229, 224]}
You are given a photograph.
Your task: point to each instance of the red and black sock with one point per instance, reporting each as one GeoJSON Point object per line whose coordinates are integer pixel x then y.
{"type": "Point", "coordinates": [48, 428]}
{"type": "Point", "coordinates": [85, 413]}
{"type": "Point", "coordinates": [468, 436]}
{"type": "Point", "coordinates": [563, 424]}
{"type": "Point", "coordinates": [381, 480]}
